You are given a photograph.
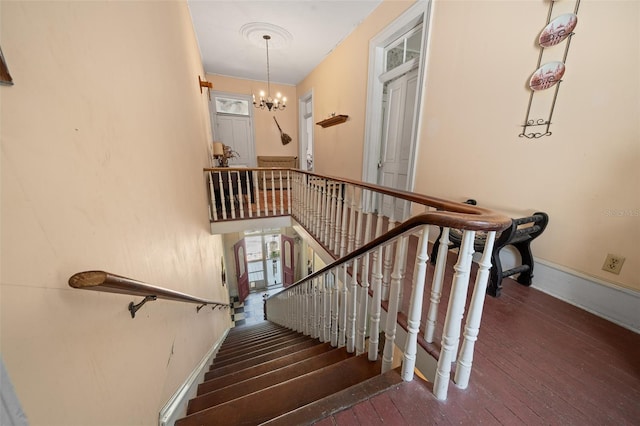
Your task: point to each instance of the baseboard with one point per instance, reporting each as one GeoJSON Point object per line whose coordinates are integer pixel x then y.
{"type": "Point", "coordinates": [616, 304]}
{"type": "Point", "coordinates": [176, 407]}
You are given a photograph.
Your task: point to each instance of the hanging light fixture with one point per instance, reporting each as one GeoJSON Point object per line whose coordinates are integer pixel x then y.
{"type": "Point", "coordinates": [266, 101]}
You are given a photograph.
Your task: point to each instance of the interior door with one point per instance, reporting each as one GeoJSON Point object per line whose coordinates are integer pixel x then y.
{"type": "Point", "coordinates": [398, 124]}
{"type": "Point", "coordinates": [242, 271]}
{"type": "Point", "coordinates": [288, 249]}
{"type": "Point", "coordinates": [235, 131]}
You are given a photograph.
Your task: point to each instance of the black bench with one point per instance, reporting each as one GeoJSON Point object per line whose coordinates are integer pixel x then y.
{"type": "Point", "coordinates": [519, 235]}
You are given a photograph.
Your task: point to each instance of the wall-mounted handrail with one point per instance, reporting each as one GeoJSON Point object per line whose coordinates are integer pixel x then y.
{"type": "Point", "coordinates": [112, 283]}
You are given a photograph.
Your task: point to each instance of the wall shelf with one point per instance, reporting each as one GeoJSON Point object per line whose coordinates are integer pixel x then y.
{"type": "Point", "coordinates": [332, 121]}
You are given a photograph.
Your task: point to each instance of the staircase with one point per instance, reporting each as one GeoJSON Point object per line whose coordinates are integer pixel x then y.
{"type": "Point", "coordinates": [268, 374]}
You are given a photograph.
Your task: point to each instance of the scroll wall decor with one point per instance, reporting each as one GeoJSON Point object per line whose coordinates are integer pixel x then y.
{"type": "Point", "coordinates": [557, 31]}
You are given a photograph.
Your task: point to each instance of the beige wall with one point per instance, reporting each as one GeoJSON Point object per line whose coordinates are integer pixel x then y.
{"type": "Point", "coordinates": [339, 86]}
{"type": "Point", "coordinates": [104, 137]}
{"type": "Point", "coordinates": [482, 53]}
{"type": "Point", "coordinates": [267, 136]}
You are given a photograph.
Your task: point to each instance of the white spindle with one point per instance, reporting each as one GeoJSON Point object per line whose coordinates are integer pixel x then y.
{"type": "Point", "coordinates": [436, 286]}
{"type": "Point", "coordinates": [336, 247]}
{"type": "Point", "coordinates": [223, 204]}
{"type": "Point", "coordinates": [388, 255]}
{"type": "Point", "coordinates": [335, 308]}
{"type": "Point", "coordinates": [289, 191]}
{"type": "Point", "coordinates": [213, 196]}
{"type": "Point", "coordinates": [415, 306]}
{"type": "Point", "coordinates": [394, 300]}
{"type": "Point", "coordinates": [327, 307]}
{"type": "Point", "coordinates": [327, 214]}
{"type": "Point", "coordinates": [353, 303]}
{"type": "Point", "coordinates": [453, 319]}
{"type": "Point", "coordinates": [240, 196]}
{"type": "Point", "coordinates": [343, 224]}
{"type": "Point", "coordinates": [472, 327]}
{"type": "Point", "coordinates": [376, 285]}
{"type": "Point", "coordinates": [264, 193]}
{"type": "Point", "coordinates": [281, 192]}
{"type": "Point", "coordinates": [273, 194]}
{"type": "Point", "coordinates": [331, 231]}
{"type": "Point", "coordinates": [231, 197]}
{"type": "Point", "coordinates": [352, 222]}
{"type": "Point", "coordinates": [363, 299]}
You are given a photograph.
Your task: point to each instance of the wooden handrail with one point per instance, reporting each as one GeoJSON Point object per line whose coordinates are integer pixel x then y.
{"type": "Point", "coordinates": [112, 283]}
{"type": "Point", "coordinates": [450, 213]}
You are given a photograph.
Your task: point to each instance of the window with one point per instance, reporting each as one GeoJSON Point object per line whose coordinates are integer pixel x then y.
{"type": "Point", "coordinates": [404, 49]}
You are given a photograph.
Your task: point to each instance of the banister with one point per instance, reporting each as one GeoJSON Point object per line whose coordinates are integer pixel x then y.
{"type": "Point", "coordinates": [112, 283]}
{"type": "Point", "coordinates": [450, 213]}
{"type": "Point", "coordinates": [406, 226]}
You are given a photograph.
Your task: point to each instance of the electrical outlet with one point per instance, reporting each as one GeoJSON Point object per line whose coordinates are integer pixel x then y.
{"type": "Point", "coordinates": [613, 263]}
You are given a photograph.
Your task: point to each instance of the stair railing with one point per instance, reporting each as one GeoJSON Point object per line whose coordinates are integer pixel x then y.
{"type": "Point", "coordinates": [363, 225]}
{"type": "Point", "coordinates": [112, 283]}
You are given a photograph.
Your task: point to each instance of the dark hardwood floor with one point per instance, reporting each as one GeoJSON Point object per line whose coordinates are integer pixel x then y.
{"type": "Point", "coordinates": [538, 361]}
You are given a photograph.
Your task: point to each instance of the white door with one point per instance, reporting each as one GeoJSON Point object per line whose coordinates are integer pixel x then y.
{"type": "Point", "coordinates": [232, 122]}
{"type": "Point", "coordinates": [397, 129]}
{"type": "Point", "coordinates": [306, 132]}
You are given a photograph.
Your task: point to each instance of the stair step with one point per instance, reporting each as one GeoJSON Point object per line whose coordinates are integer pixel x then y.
{"type": "Point", "coordinates": [256, 370]}
{"type": "Point", "coordinates": [297, 338]}
{"type": "Point", "coordinates": [244, 331]}
{"type": "Point", "coordinates": [220, 371]}
{"type": "Point", "coordinates": [254, 384]}
{"type": "Point", "coordinates": [276, 400]}
{"type": "Point", "coordinates": [239, 347]}
{"type": "Point", "coordinates": [338, 401]}
{"type": "Point", "coordinates": [239, 337]}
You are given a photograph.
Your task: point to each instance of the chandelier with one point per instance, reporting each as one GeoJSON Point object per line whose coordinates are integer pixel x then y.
{"type": "Point", "coordinates": [268, 102]}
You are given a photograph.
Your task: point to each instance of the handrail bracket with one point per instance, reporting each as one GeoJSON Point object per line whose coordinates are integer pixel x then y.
{"type": "Point", "coordinates": [134, 308]}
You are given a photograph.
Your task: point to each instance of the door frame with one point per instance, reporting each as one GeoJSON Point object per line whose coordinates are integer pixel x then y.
{"type": "Point", "coordinates": [213, 113]}
{"type": "Point", "coordinates": [302, 144]}
{"type": "Point", "coordinates": [419, 12]}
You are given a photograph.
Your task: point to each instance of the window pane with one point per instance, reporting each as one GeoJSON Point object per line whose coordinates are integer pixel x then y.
{"type": "Point", "coordinates": [413, 45]}
{"type": "Point", "coordinates": [394, 57]}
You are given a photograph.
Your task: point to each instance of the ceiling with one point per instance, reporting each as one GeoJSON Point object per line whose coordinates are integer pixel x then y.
{"type": "Point", "coordinates": [303, 32]}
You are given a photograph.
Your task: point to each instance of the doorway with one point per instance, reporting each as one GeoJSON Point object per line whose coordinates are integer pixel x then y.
{"type": "Point", "coordinates": [232, 124]}
{"type": "Point", "coordinates": [306, 131]}
{"type": "Point", "coordinates": [396, 74]}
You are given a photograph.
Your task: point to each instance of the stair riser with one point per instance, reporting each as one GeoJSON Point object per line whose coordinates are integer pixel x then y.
{"type": "Point", "coordinates": [257, 353]}
{"type": "Point", "coordinates": [255, 347]}
{"type": "Point", "coordinates": [225, 350]}
{"type": "Point", "coordinates": [249, 335]}
{"type": "Point", "coordinates": [276, 400]}
{"type": "Point", "coordinates": [256, 370]}
{"type": "Point", "coordinates": [245, 364]}
{"type": "Point", "coordinates": [240, 389]}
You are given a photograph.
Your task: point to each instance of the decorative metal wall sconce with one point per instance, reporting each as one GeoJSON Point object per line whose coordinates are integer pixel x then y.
{"type": "Point", "coordinates": [549, 75]}
{"type": "Point", "coordinates": [207, 84]}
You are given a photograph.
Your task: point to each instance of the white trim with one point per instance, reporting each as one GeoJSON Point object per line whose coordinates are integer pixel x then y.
{"type": "Point", "coordinates": [230, 226]}
{"type": "Point", "coordinates": [616, 304]}
{"type": "Point", "coordinates": [419, 12]}
{"type": "Point", "coordinates": [302, 144]}
{"type": "Point", "coordinates": [176, 407]}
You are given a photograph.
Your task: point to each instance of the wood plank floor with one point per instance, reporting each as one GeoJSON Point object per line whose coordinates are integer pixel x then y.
{"type": "Point", "coordinates": [538, 361]}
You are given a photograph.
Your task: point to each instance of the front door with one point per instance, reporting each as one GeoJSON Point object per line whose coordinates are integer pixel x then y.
{"type": "Point", "coordinates": [242, 272]}
{"type": "Point", "coordinates": [288, 245]}
{"type": "Point", "coordinates": [398, 125]}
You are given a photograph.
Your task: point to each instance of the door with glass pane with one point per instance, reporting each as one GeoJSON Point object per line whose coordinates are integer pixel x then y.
{"type": "Point", "coordinates": [242, 271]}
{"type": "Point", "coordinates": [255, 262]}
{"type": "Point", "coordinates": [287, 261]}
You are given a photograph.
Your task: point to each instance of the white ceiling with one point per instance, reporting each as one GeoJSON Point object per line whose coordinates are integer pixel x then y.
{"type": "Point", "coordinates": [303, 33]}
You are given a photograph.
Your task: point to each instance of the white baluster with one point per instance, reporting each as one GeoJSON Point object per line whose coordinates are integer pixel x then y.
{"type": "Point", "coordinates": [327, 214]}
{"type": "Point", "coordinates": [352, 300]}
{"type": "Point", "coordinates": [316, 310]}
{"type": "Point", "coordinates": [352, 223]}
{"type": "Point", "coordinates": [415, 307]}
{"type": "Point", "coordinates": [289, 190]}
{"type": "Point", "coordinates": [388, 256]}
{"type": "Point", "coordinates": [214, 210]}
{"type": "Point", "coordinates": [335, 308]}
{"type": "Point", "coordinates": [322, 301]}
{"type": "Point", "coordinates": [394, 300]}
{"type": "Point", "coordinates": [264, 192]}
{"type": "Point", "coordinates": [472, 327]}
{"type": "Point", "coordinates": [231, 197]}
{"type": "Point", "coordinates": [222, 198]}
{"type": "Point", "coordinates": [331, 231]}
{"type": "Point", "coordinates": [436, 286]}
{"type": "Point", "coordinates": [281, 193]}
{"type": "Point", "coordinates": [273, 194]}
{"type": "Point", "coordinates": [376, 285]}
{"type": "Point", "coordinates": [336, 247]}
{"type": "Point", "coordinates": [240, 196]}
{"type": "Point", "coordinates": [363, 299]}
{"type": "Point", "coordinates": [343, 224]}
{"type": "Point", "coordinates": [327, 306]}
{"type": "Point", "coordinates": [453, 319]}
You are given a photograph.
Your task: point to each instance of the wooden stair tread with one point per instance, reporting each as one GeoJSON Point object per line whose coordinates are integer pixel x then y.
{"type": "Point", "coordinates": [270, 378]}
{"type": "Point", "coordinates": [276, 400]}
{"type": "Point", "coordinates": [339, 401]}
{"type": "Point", "coordinates": [254, 339]}
{"type": "Point", "coordinates": [269, 343]}
{"type": "Point", "coordinates": [221, 371]}
{"type": "Point", "coordinates": [259, 352]}
{"type": "Point", "coordinates": [258, 369]}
